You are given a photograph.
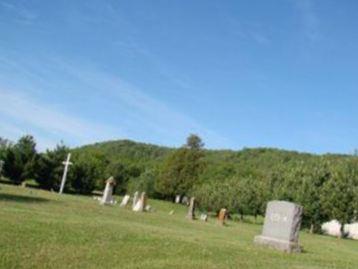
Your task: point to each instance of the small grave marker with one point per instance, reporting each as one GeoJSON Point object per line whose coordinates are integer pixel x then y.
{"type": "Point", "coordinates": [125, 201]}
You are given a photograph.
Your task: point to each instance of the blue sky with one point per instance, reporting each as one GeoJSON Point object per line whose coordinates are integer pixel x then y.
{"type": "Point", "coordinates": [279, 73]}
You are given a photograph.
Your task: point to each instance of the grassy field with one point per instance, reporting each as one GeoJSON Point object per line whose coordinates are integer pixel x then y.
{"type": "Point", "coordinates": [40, 229]}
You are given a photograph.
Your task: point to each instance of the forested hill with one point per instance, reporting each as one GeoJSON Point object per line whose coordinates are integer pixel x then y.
{"type": "Point", "coordinates": [128, 152]}
{"type": "Point", "coordinates": [142, 155]}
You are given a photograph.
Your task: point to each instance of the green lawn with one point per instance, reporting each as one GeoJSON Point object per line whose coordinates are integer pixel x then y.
{"type": "Point", "coordinates": [40, 229]}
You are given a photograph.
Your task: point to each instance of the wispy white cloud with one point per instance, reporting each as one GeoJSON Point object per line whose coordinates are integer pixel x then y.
{"type": "Point", "coordinates": [58, 124]}
{"type": "Point", "coordinates": [19, 12]}
{"type": "Point", "coordinates": [245, 30]}
{"type": "Point", "coordinates": [145, 111]}
{"type": "Point", "coordinates": [102, 106]}
{"type": "Point", "coordinates": [309, 18]}
{"type": "Point", "coordinates": [12, 130]}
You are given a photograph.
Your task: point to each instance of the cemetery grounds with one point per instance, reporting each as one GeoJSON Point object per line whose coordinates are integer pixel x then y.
{"type": "Point", "coordinates": [40, 229]}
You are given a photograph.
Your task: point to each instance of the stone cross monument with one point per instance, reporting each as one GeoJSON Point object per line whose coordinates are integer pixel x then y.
{"type": "Point", "coordinates": [281, 226]}
{"type": "Point", "coordinates": [64, 176]}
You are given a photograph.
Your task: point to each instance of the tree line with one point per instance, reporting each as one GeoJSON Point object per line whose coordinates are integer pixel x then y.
{"type": "Point", "coordinates": [241, 181]}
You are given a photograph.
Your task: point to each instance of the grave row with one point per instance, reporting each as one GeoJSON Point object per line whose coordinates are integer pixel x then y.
{"type": "Point", "coordinates": [281, 225]}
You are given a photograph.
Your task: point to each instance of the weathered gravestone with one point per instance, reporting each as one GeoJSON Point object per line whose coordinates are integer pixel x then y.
{"type": "Point", "coordinates": [222, 216]}
{"type": "Point", "coordinates": [204, 217]}
{"type": "Point", "coordinates": [107, 197]}
{"type": "Point", "coordinates": [185, 200]}
{"type": "Point", "coordinates": [125, 201]}
{"type": "Point", "coordinates": [141, 204]}
{"type": "Point", "coordinates": [281, 227]}
{"type": "Point", "coordinates": [191, 210]}
{"type": "Point", "coordinates": [177, 199]}
{"type": "Point", "coordinates": [135, 199]}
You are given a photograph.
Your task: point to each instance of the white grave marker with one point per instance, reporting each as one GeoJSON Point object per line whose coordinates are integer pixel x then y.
{"type": "Point", "coordinates": [125, 200]}
{"type": "Point", "coordinates": [64, 176]}
{"type": "Point", "coordinates": [108, 192]}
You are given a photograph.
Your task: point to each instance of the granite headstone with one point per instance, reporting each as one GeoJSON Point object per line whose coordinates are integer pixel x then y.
{"type": "Point", "coordinates": [281, 226]}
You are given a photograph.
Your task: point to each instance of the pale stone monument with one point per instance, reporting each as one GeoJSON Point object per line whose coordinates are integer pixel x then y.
{"type": "Point", "coordinates": [222, 216]}
{"type": "Point", "coordinates": [204, 217]}
{"type": "Point", "coordinates": [177, 199]}
{"type": "Point", "coordinates": [141, 204]}
{"type": "Point", "coordinates": [281, 226]}
{"type": "Point", "coordinates": [125, 201]}
{"type": "Point", "coordinates": [185, 200]}
{"type": "Point", "coordinates": [64, 176]}
{"type": "Point", "coordinates": [191, 210]}
{"type": "Point", "coordinates": [135, 199]}
{"type": "Point", "coordinates": [332, 228]}
{"type": "Point", "coordinates": [107, 197]}
{"type": "Point", "coordinates": [351, 230]}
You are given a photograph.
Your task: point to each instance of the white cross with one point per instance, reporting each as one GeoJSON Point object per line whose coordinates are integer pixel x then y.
{"type": "Point", "coordinates": [66, 164]}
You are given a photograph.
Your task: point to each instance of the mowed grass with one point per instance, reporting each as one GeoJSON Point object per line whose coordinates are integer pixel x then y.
{"type": "Point", "coordinates": [40, 229]}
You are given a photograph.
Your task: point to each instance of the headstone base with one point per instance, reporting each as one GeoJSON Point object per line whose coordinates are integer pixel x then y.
{"type": "Point", "coordinates": [285, 246]}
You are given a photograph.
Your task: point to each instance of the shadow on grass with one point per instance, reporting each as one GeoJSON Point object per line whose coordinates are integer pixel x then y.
{"type": "Point", "coordinates": [21, 198]}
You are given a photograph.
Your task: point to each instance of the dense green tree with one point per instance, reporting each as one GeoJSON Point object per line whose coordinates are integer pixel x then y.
{"type": "Point", "coordinates": [4, 145]}
{"type": "Point", "coordinates": [122, 173]}
{"type": "Point", "coordinates": [339, 192]}
{"type": "Point", "coordinates": [214, 195]}
{"type": "Point", "coordinates": [194, 142]}
{"type": "Point", "coordinates": [145, 182]}
{"type": "Point", "coordinates": [50, 168]}
{"type": "Point", "coordinates": [20, 160]}
{"type": "Point", "coordinates": [86, 172]}
{"type": "Point", "coordinates": [182, 169]}
{"type": "Point", "coordinates": [309, 191]}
